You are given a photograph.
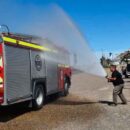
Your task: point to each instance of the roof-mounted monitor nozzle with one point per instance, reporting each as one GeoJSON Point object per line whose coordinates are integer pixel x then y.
{"type": "Point", "coordinates": [5, 26]}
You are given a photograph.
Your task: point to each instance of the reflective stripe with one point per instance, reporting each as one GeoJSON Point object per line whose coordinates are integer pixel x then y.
{"type": "Point", "coordinates": [1, 61]}
{"type": "Point", "coordinates": [26, 44]}
{"type": "Point", "coordinates": [65, 66]}
{"type": "Point", "coordinates": [7, 39]}
{"type": "Point", "coordinates": [1, 85]}
{"type": "Point", "coordinates": [33, 46]}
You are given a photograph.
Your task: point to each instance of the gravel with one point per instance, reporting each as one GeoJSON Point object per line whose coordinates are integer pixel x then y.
{"type": "Point", "coordinates": [85, 108]}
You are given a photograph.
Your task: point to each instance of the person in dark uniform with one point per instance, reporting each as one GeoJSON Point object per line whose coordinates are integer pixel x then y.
{"type": "Point", "coordinates": [118, 83]}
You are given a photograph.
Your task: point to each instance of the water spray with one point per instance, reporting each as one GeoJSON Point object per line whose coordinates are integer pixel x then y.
{"type": "Point", "coordinates": [54, 24]}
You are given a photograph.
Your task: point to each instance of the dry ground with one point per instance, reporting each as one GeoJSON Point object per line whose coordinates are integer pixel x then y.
{"type": "Point", "coordinates": [85, 108]}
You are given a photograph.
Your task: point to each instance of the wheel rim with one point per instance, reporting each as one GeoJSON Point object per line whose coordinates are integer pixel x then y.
{"type": "Point", "coordinates": [39, 98]}
{"type": "Point", "coordinates": [66, 87]}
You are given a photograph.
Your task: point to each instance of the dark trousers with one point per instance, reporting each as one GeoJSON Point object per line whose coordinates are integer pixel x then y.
{"type": "Point", "coordinates": [118, 91]}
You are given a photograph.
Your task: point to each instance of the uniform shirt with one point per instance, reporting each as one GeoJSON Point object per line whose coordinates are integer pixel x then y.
{"type": "Point", "coordinates": [118, 77]}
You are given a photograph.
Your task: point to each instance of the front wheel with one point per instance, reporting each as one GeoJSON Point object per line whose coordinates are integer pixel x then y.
{"type": "Point", "coordinates": [39, 97]}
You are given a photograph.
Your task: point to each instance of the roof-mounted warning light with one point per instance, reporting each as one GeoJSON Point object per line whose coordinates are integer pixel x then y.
{"type": "Point", "coordinates": [5, 26]}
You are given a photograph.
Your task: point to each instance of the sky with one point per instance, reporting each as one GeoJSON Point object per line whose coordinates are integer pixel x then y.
{"type": "Point", "coordinates": [105, 24]}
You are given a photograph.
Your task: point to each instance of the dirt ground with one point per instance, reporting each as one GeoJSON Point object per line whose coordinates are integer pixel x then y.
{"type": "Point", "coordinates": [86, 108]}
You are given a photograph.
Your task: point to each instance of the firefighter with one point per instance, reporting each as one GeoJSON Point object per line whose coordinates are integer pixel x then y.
{"type": "Point", "coordinates": [118, 83]}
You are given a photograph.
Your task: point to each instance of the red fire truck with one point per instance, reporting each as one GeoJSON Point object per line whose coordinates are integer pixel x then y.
{"type": "Point", "coordinates": [30, 71]}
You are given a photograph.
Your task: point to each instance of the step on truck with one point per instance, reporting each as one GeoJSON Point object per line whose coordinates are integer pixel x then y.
{"type": "Point", "coordinates": [30, 71]}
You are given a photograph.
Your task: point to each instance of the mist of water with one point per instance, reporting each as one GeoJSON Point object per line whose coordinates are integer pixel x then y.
{"type": "Point", "coordinates": [56, 27]}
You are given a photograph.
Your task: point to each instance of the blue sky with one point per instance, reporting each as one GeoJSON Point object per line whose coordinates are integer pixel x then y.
{"type": "Point", "coordinates": [104, 23]}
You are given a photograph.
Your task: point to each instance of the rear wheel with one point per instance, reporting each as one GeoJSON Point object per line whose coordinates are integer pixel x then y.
{"type": "Point", "coordinates": [66, 89]}
{"type": "Point", "coordinates": [39, 97]}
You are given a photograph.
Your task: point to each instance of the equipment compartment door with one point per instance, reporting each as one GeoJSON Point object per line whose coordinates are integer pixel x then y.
{"type": "Point", "coordinates": [17, 72]}
{"type": "Point", "coordinates": [52, 76]}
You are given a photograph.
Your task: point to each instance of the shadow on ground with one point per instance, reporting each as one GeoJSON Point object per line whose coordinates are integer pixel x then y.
{"type": "Point", "coordinates": [10, 112]}
{"type": "Point", "coordinates": [13, 111]}
{"type": "Point", "coordinates": [106, 102]}
{"type": "Point", "coordinates": [67, 102]}
{"type": "Point", "coordinates": [126, 88]}
{"type": "Point", "coordinates": [127, 81]}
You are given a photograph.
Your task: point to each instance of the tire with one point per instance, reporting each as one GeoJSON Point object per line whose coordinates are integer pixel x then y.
{"type": "Point", "coordinates": [66, 89]}
{"type": "Point", "coordinates": [39, 97]}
